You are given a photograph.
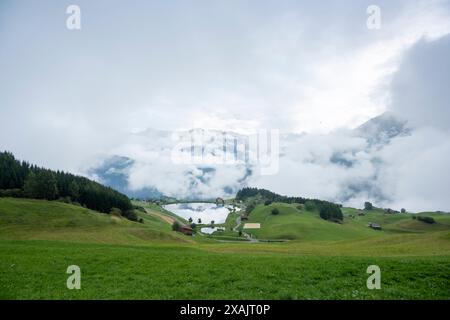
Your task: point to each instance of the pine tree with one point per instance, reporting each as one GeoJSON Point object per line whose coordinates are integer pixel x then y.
{"type": "Point", "coordinates": [74, 190]}
{"type": "Point", "coordinates": [41, 185]}
{"type": "Point", "coordinates": [30, 187]}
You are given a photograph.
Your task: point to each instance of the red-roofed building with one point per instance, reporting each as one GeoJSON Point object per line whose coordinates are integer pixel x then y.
{"type": "Point", "coordinates": [186, 230]}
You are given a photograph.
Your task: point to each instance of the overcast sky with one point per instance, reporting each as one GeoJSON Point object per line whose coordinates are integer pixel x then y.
{"type": "Point", "coordinates": [68, 96]}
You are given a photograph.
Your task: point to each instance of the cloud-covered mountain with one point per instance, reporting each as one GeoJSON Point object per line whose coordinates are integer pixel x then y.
{"type": "Point", "coordinates": [380, 130]}
{"type": "Point", "coordinates": [140, 175]}
{"type": "Point", "coordinates": [114, 172]}
{"type": "Point", "coordinates": [183, 164]}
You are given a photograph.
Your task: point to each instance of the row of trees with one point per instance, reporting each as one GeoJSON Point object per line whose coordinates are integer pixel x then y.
{"type": "Point", "coordinates": [369, 206]}
{"type": "Point", "coordinates": [20, 179]}
{"type": "Point", "coordinates": [330, 211]}
{"type": "Point", "coordinates": [269, 196]}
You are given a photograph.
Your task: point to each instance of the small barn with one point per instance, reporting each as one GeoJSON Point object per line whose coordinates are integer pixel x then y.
{"type": "Point", "coordinates": [374, 226]}
{"type": "Point", "coordinates": [186, 230]}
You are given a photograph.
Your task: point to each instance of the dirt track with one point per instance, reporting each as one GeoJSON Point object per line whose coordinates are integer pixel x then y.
{"type": "Point", "coordinates": [163, 217]}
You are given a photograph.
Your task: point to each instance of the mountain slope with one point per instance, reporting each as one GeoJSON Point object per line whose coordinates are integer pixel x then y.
{"type": "Point", "coordinates": [144, 174]}
{"type": "Point", "coordinates": [28, 219]}
{"type": "Point", "coordinates": [382, 129]}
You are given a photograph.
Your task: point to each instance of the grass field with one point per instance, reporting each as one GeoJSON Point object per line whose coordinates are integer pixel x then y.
{"type": "Point", "coordinates": [120, 259]}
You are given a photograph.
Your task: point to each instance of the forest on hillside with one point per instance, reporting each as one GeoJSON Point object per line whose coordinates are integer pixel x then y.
{"type": "Point", "coordinates": [21, 179]}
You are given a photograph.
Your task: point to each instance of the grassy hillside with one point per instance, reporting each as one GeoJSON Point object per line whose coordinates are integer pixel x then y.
{"type": "Point", "coordinates": [294, 224]}
{"type": "Point", "coordinates": [120, 259]}
{"type": "Point", "coordinates": [28, 219]}
{"type": "Point", "coordinates": [298, 224]}
{"type": "Point", "coordinates": [399, 223]}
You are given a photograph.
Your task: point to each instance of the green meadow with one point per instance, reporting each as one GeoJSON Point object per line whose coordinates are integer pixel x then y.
{"type": "Point", "coordinates": [121, 259]}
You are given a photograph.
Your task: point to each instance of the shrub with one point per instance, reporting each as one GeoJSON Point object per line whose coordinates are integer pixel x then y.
{"type": "Point", "coordinates": [310, 206]}
{"type": "Point", "coordinates": [115, 212]}
{"type": "Point", "coordinates": [368, 206]}
{"type": "Point", "coordinates": [13, 193]}
{"type": "Point", "coordinates": [65, 200]}
{"type": "Point", "coordinates": [176, 226]}
{"type": "Point", "coordinates": [403, 210]}
{"type": "Point", "coordinates": [139, 208]}
{"type": "Point", "coordinates": [267, 202]}
{"type": "Point", "coordinates": [429, 220]}
{"type": "Point", "coordinates": [250, 208]}
{"type": "Point", "coordinates": [275, 211]}
{"type": "Point", "coordinates": [141, 220]}
{"type": "Point", "coordinates": [131, 215]}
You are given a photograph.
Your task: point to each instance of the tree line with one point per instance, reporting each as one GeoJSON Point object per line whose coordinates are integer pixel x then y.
{"type": "Point", "coordinates": [23, 180]}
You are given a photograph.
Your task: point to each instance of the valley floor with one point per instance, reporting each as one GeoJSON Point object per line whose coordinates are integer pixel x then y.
{"type": "Point", "coordinates": [127, 260]}
{"type": "Point", "coordinates": [37, 270]}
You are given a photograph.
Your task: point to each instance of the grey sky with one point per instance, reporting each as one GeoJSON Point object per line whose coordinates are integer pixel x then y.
{"type": "Point", "coordinates": [299, 66]}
